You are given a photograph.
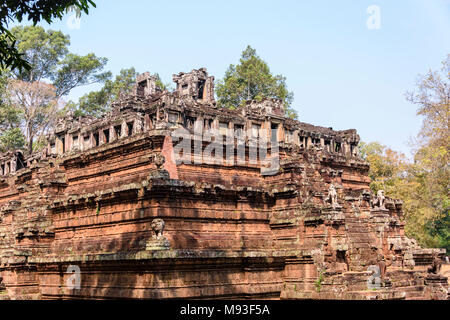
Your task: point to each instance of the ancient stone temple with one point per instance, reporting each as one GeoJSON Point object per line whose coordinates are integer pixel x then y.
{"type": "Point", "coordinates": [108, 210]}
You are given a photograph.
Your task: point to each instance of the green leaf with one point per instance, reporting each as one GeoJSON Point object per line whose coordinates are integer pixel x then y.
{"type": "Point", "coordinates": [251, 79]}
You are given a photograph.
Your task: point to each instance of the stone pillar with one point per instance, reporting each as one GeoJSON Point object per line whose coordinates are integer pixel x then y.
{"type": "Point", "coordinates": [309, 142]}
{"type": "Point", "coordinates": [124, 130]}
{"type": "Point", "coordinates": [91, 140]}
{"type": "Point", "coordinates": [59, 146]}
{"type": "Point", "coordinates": [344, 148]}
{"type": "Point", "coordinates": [67, 143]}
{"type": "Point", "coordinates": [112, 134]}
{"type": "Point", "coordinates": [88, 142]}
{"type": "Point", "coordinates": [198, 125]}
{"type": "Point", "coordinates": [13, 164]}
{"type": "Point", "coordinates": [295, 139]}
{"type": "Point", "coordinates": [79, 142]}
{"type": "Point", "coordinates": [101, 137]}
{"type": "Point", "coordinates": [137, 126]}
{"type": "Point", "coordinates": [147, 122]}
{"type": "Point", "coordinates": [208, 90]}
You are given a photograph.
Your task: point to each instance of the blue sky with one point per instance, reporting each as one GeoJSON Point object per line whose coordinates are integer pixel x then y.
{"type": "Point", "coordinates": [343, 74]}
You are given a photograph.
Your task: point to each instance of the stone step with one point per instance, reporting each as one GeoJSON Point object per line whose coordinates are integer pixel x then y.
{"type": "Point", "coordinates": [421, 298]}
{"type": "Point", "coordinates": [411, 288]}
{"type": "Point", "coordinates": [380, 294]}
{"type": "Point", "coordinates": [411, 291]}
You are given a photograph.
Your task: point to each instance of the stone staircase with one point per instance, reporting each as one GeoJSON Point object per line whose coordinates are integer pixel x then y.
{"type": "Point", "coordinates": [360, 240]}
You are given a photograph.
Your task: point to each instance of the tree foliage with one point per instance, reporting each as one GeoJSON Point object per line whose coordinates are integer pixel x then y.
{"type": "Point", "coordinates": [35, 94]}
{"type": "Point", "coordinates": [42, 49]}
{"type": "Point", "coordinates": [433, 100]}
{"type": "Point", "coordinates": [11, 136]}
{"type": "Point", "coordinates": [388, 168]}
{"type": "Point", "coordinates": [37, 102]}
{"type": "Point", "coordinates": [252, 79]}
{"type": "Point", "coordinates": [48, 54]}
{"type": "Point", "coordinates": [35, 11]}
{"type": "Point", "coordinates": [433, 149]}
{"type": "Point", "coordinates": [424, 183]}
{"type": "Point", "coordinates": [12, 139]}
{"type": "Point", "coordinates": [96, 103]}
{"type": "Point", "coordinates": [410, 181]}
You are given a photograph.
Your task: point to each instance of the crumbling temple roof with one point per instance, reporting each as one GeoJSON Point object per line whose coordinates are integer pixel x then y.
{"type": "Point", "coordinates": [148, 106]}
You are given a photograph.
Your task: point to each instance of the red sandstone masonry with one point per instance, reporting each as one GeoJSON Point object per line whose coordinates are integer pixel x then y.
{"type": "Point", "coordinates": [230, 232]}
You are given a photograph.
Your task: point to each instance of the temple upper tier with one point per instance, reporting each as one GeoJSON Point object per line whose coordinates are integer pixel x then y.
{"type": "Point", "coordinates": [192, 104]}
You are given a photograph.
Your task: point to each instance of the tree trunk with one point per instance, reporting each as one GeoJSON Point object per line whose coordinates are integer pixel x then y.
{"type": "Point", "coordinates": [29, 139]}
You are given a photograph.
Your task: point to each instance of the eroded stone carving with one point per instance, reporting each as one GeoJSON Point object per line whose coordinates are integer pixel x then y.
{"type": "Point", "coordinates": [382, 265]}
{"type": "Point", "coordinates": [381, 198]}
{"type": "Point", "coordinates": [158, 240]}
{"type": "Point", "coordinates": [159, 161]}
{"type": "Point", "coordinates": [160, 173]}
{"type": "Point", "coordinates": [378, 202]}
{"type": "Point", "coordinates": [435, 265]}
{"type": "Point", "coordinates": [332, 197]}
{"type": "Point", "coordinates": [356, 209]}
{"type": "Point", "coordinates": [158, 227]}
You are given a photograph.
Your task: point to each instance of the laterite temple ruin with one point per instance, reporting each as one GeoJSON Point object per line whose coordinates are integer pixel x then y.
{"type": "Point", "coordinates": [107, 197]}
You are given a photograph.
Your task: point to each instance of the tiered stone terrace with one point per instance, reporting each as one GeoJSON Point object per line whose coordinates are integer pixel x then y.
{"type": "Point", "coordinates": [312, 230]}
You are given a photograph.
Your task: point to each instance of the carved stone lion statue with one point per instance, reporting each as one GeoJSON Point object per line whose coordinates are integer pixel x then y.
{"type": "Point", "coordinates": [379, 200]}
{"type": "Point", "coordinates": [159, 161]}
{"type": "Point", "coordinates": [160, 172]}
{"type": "Point", "coordinates": [158, 227]}
{"type": "Point", "coordinates": [332, 197]}
{"type": "Point", "coordinates": [158, 241]}
{"type": "Point", "coordinates": [435, 265]}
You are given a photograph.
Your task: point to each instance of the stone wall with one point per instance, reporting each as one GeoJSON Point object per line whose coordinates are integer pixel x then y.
{"type": "Point", "coordinates": [95, 197]}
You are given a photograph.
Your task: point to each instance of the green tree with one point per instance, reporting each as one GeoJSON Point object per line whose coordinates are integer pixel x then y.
{"type": "Point", "coordinates": [161, 84]}
{"type": "Point", "coordinates": [432, 97]}
{"type": "Point", "coordinates": [387, 167]}
{"type": "Point", "coordinates": [35, 11]}
{"type": "Point", "coordinates": [12, 139]}
{"type": "Point", "coordinates": [433, 100]}
{"type": "Point", "coordinates": [11, 136]}
{"type": "Point", "coordinates": [48, 54]}
{"type": "Point", "coordinates": [427, 220]}
{"type": "Point", "coordinates": [38, 105]}
{"type": "Point", "coordinates": [96, 103]}
{"type": "Point", "coordinates": [424, 183]}
{"type": "Point", "coordinates": [37, 91]}
{"type": "Point", "coordinates": [252, 79]}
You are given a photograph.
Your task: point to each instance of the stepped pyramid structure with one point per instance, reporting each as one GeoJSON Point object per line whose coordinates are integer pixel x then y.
{"type": "Point", "coordinates": [113, 209]}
